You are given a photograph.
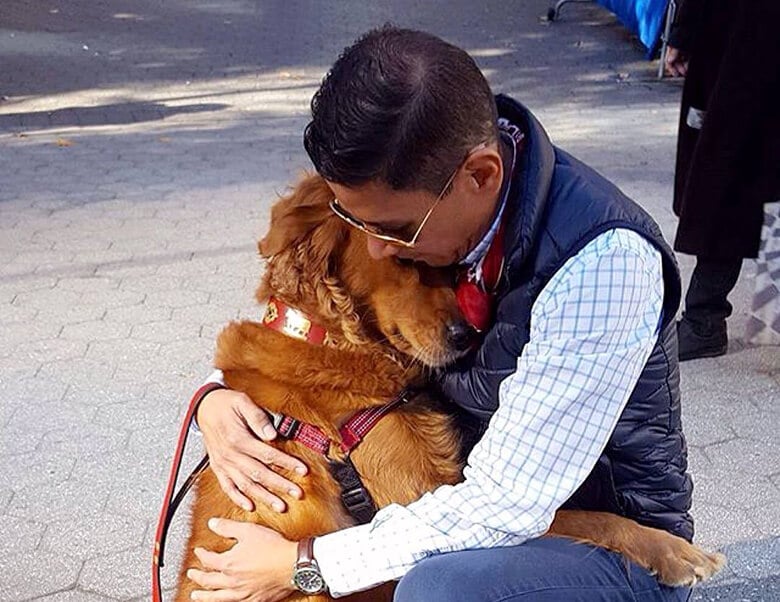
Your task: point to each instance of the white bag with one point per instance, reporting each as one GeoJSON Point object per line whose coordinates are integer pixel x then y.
{"type": "Point", "coordinates": [763, 325]}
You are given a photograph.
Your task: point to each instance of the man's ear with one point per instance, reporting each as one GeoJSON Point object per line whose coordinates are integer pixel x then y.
{"type": "Point", "coordinates": [295, 215]}
{"type": "Point", "coordinates": [486, 169]}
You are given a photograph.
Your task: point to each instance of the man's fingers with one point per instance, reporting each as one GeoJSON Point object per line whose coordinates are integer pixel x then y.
{"type": "Point", "coordinates": [211, 560]}
{"type": "Point", "coordinates": [211, 579]}
{"type": "Point", "coordinates": [270, 456]}
{"type": "Point", "coordinates": [231, 529]}
{"type": "Point", "coordinates": [233, 492]}
{"type": "Point", "coordinates": [244, 491]}
{"type": "Point", "coordinates": [251, 482]}
{"type": "Point", "coordinates": [258, 421]}
{"type": "Point", "coordinates": [276, 484]}
{"type": "Point", "coordinates": [220, 595]}
{"type": "Point", "coordinates": [260, 494]}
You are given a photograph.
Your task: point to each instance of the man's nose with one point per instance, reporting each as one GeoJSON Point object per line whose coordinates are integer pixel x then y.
{"type": "Point", "coordinates": [379, 249]}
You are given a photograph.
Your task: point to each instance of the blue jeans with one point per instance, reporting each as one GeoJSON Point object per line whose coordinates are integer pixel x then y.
{"type": "Point", "coordinates": [547, 569]}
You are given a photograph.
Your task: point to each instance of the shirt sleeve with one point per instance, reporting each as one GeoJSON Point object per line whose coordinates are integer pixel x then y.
{"type": "Point", "coordinates": [216, 378]}
{"type": "Point", "coordinates": [593, 328]}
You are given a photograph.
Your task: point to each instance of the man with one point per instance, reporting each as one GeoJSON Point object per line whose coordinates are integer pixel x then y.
{"type": "Point", "coordinates": [576, 381]}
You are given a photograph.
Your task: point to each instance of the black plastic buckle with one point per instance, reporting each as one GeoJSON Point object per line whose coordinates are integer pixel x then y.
{"type": "Point", "coordinates": [354, 495]}
{"type": "Point", "coordinates": [359, 504]}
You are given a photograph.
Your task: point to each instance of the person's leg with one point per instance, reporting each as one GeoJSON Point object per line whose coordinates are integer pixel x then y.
{"type": "Point", "coordinates": [702, 330]}
{"type": "Point", "coordinates": [548, 569]}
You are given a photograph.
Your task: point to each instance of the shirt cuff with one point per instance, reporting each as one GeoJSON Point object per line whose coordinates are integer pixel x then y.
{"type": "Point", "coordinates": [217, 378]}
{"type": "Point", "coordinates": [326, 553]}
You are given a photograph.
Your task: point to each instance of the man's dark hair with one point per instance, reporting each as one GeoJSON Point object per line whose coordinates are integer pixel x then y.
{"type": "Point", "coordinates": [401, 107]}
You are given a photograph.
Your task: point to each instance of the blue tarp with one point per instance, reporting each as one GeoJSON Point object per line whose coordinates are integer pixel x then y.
{"type": "Point", "coordinates": [645, 18]}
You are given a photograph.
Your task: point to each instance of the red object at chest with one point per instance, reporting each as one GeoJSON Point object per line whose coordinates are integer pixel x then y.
{"type": "Point", "coordinates": [475, 290]}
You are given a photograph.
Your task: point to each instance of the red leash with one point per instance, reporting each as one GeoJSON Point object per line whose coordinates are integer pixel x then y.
{"type": "Point", "coordinates": [171, 502]}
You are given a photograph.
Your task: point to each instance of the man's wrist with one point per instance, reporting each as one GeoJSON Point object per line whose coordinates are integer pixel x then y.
{"type": "Point", "coordinates": [199, 396]}
{"type": "Point", "coordinates": [307, 577]}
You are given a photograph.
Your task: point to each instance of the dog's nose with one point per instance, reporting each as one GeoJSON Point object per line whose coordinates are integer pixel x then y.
{"type": "Point", "coordinates": [460, 335]}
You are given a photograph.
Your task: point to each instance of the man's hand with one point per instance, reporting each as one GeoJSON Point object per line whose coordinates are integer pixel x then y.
{"type": "Point", "coordinates": [233, 429]}
{"type": "Point", "coordinates": [676, 62]}
{"type": "Point", "coordinates": [258, 567]}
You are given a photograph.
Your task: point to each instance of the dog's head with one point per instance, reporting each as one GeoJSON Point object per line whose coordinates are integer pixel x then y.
{"type": "Point", "coordinates": [319, 264]}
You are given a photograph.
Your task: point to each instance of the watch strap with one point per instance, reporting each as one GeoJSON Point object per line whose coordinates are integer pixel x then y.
{"type": "Point", "coordinates": [306, 569]}
{"type": "Point", "coordinates": [305, 551]}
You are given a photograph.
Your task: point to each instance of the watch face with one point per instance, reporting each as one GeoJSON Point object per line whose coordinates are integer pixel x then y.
{"type": "Point", "coordinates": [308, 580]}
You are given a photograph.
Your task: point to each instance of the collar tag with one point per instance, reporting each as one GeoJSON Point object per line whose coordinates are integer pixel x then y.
{"type": "Point", "coordinates": [293, 322]}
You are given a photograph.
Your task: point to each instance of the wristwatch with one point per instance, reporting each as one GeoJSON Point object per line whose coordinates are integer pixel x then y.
{"type": "Point", "coordinates": [307, 578]}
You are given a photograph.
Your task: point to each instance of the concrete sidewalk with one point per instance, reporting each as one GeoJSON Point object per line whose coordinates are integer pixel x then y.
{"type": "Point", "coordinates": [141, 145]}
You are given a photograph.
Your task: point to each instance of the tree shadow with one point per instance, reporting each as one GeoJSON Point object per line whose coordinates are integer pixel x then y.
{"type": "Point", "coordinates": [112, 114]}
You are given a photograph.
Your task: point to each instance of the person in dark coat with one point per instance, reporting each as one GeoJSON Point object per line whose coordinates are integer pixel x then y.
{"type": "Point", "coordinates": [728, 152]}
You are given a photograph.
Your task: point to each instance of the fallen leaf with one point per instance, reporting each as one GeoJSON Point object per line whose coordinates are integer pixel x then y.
{"type": "Point", "coordinates": [164, 139]}
{"type": "Point", "coordinates": [63, 142]}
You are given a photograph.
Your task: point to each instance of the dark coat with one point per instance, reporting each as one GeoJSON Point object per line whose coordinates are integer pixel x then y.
{"type": "Point", "coordinates": [556, 205]}
{"type": "Point", "coordinates": [730, 167]}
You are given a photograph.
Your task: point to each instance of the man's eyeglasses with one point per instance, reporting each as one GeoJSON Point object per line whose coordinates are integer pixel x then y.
{"type": "Point", "coordinates": [377, 233]}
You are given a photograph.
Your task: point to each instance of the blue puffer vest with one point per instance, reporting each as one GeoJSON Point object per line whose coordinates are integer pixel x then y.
{"type": "Point", "coordinates": [556, 206]}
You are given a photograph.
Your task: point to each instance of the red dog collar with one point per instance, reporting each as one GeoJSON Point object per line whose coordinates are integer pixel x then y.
{"type": "Point", "coordinates": [293, 322]}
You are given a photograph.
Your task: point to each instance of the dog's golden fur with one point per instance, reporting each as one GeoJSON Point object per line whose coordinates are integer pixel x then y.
{"type": "Point", "coordinates": [386, 323]}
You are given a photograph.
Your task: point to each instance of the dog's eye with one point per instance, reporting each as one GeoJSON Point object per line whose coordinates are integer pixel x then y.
{"type": "Point", "coordinates": [436, 277]}
{"type": "Point", "coordinates": [407, 263]}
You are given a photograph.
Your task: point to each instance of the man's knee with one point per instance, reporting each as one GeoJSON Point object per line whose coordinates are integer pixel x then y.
{"type": "Point", "coordinates": [432, 580]}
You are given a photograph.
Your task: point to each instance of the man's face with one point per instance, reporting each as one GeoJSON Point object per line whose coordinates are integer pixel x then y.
{"type": "Point", "coordinates": [452, 224]}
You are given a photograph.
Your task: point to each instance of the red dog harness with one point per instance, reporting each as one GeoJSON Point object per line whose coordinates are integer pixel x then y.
{"type": "Point", "coordinates": [354, 495]}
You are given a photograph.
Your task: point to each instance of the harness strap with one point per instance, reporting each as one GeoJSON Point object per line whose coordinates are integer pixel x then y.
{"type": "Point", "coordinates": [361, 423]}
{"type": "Point", "coordinates": [303, 432]}
{"type": "Point", "coordinates": [354, 495]}
{"type": "Point", "coordinates": [351, 433]}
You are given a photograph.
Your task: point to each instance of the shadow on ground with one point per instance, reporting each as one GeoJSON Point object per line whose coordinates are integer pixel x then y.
{"type": "Point", "coordinates": [50, 47]}
{"type": "Point", "coordinates": [111, 114]}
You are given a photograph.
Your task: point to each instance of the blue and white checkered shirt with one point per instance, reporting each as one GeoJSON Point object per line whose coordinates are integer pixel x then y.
{"type": "Point", "coordinates": [592, 330]}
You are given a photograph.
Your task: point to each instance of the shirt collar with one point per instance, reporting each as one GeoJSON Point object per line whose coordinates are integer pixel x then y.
{"type": "Point", "coordinates": [480, 249]}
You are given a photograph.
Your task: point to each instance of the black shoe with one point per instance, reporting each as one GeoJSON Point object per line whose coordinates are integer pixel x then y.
{"type": "Point", "coordinates": [694, 345]}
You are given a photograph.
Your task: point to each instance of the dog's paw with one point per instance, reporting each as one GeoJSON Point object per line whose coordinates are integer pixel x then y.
{"type": "Point", "coordinates": [684, 564]}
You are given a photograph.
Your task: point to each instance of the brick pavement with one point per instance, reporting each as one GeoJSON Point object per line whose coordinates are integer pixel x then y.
{"type": "Point", "coordinates": [140, 148]}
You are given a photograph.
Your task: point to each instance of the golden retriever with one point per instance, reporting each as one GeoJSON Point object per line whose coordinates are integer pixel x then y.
{"type": "Point", "coordinates": [387, 324]}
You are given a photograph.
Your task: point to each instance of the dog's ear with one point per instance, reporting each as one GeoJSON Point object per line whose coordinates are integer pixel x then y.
{"type": "Point", "coordinates": [302, 245]}
{"type": "Point", "coordinates": [295, 215]}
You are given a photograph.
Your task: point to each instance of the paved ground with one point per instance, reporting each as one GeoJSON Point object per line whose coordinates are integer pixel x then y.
{"type": "Point", "coordinates": [141, 144]}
